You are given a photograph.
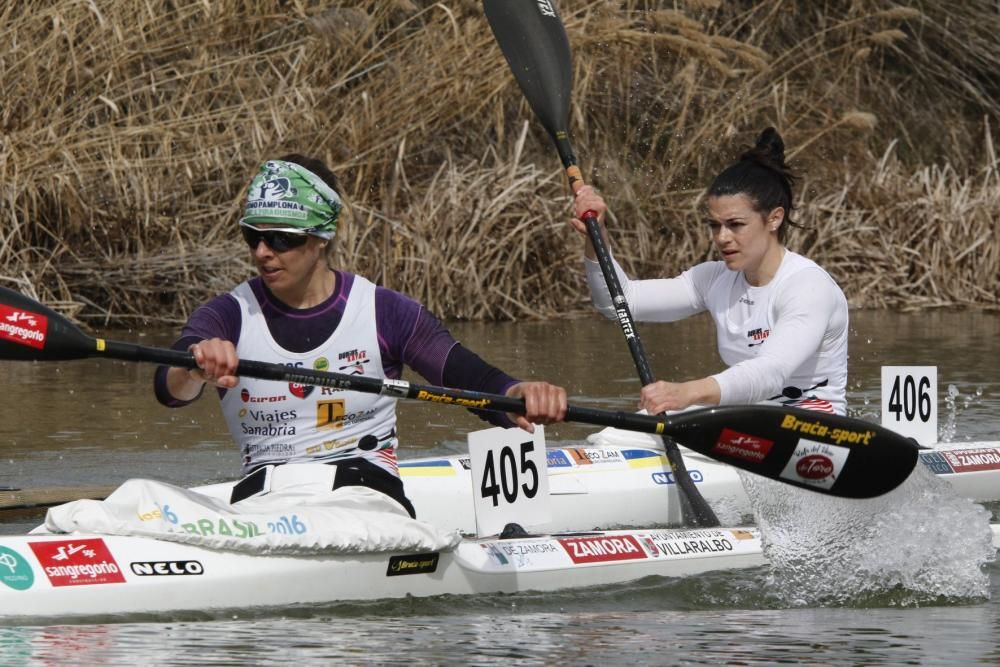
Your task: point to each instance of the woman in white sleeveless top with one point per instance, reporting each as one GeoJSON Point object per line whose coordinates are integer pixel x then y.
{"type": "Point", "coordinates": [302, 311]}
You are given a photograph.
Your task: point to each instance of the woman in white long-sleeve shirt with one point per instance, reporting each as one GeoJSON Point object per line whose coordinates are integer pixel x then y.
{"type": "Point", "coordinates": [781, 320]}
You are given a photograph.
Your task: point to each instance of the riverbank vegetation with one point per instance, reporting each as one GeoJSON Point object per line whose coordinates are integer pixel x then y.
{"type": "Point", "coordinates": [130, 130]}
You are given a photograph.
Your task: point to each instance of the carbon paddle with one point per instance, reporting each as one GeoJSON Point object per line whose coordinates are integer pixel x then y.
{"type": "Point", "coordinates": [829, 454]}
{"type": "Point", "coordinates": [533, 39]}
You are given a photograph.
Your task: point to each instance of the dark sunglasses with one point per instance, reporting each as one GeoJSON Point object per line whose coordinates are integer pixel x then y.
{"type": "Point", "coordinates": [276, 240]}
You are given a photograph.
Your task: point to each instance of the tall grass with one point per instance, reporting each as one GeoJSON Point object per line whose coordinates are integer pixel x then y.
{"type": "Point", "coordinates": [130, 129]}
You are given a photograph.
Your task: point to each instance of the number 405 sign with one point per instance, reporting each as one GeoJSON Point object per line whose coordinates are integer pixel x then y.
{"type": "Point", "coordinates": [510, 480]}
{"type": "Point", "coordinates": [909, 402]}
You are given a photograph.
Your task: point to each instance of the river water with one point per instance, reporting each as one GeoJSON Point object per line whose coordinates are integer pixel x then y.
{"type": "Point", "coordinates": [95, 422]}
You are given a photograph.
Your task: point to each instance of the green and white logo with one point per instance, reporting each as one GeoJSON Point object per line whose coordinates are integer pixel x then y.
{"type": "Point", "coordinates": [14, 570]}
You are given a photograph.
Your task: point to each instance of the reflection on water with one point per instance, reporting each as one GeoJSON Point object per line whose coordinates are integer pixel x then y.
{"type": "Point", "coordinates": [508, 635]}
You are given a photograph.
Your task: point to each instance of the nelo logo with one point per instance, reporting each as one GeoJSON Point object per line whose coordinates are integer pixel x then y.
{"type": "Point", "coordinates": [167, 568]}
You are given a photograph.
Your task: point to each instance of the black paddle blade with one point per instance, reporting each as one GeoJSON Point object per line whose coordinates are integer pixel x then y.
{"type": "Point", "coordinates": [830, 454]}
{"type": "Point", "coordinates": [29, 330]}
{"type": "Point", "coordinates": [533, 39]}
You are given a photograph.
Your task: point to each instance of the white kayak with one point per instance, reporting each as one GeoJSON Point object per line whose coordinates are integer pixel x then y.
{"type": "Point", "coordinates": [596, 487]}
{"type": "Point", "coordinates": [49, 576]}
{"type": "Point", "coordinates": [66, 576]}
{"type": "Point", "coordinates": [90, 572]}
{"type": "Point", "coordinates": [623, 480]}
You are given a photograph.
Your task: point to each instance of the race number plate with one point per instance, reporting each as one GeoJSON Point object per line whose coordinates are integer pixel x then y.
{"type": "Point", "coordinates": [510, 481]}
{"type": "Point", "coordinates": [909, 402]}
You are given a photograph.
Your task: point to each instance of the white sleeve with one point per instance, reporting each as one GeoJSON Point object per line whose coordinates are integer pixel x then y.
{"type": "Point", "coordinates": [804, 308]}
{"type": "Point", "coordinates": [656, 300]}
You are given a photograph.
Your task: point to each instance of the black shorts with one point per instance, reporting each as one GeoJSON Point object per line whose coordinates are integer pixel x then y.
{"type": "Point", "coordinates": [350, 472]}
{"type": "Point", "coordinates": [361, 472]}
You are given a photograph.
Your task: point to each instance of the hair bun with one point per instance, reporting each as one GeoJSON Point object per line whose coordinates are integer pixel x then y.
{"type": "Point", "coordinates": [769, 150]}
{"type": "Point", "coordinates": [769, 143]}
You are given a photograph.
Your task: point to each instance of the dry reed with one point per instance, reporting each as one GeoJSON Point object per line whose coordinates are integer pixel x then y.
{"type": "Point", "coordinates": [130, 129]}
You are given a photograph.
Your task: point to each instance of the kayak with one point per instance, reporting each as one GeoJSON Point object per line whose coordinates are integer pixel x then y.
{"type": "Point", "coordinates": [48, 576]}
{"type": "Point", "coordinates": [623, 480]}
{"type": "Point", "coordinates": [594, 492]}
{"type": "Point", "coordinates": [80, 575]}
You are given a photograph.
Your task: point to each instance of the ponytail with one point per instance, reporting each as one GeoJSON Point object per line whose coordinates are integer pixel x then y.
{"type": "Point", "coordinates": [762, 175]}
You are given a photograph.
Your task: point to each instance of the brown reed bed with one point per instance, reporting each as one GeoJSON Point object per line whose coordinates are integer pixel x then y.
{"type": "Point", "coordinates": [128, 131]}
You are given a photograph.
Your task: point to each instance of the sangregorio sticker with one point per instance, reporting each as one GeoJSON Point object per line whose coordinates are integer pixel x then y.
{"type": "Point", "coordinates": [14, 570]}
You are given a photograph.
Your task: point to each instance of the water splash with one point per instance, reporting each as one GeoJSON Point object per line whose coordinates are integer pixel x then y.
{"type": "Point", "coordinates": [946, 433]}
{"type": "Point", "coordinates": [954, 406]}
{"type": "Point", "coordinates": [919, 544]}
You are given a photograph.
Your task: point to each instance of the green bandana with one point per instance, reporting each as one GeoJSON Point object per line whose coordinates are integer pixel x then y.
{"type": "Point", "coordinates": [288, 194]}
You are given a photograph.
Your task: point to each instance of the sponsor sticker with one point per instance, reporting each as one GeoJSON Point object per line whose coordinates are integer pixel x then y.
{"type": "Point", "coordinates": [246, 397]}
{"type": "Point", "coordinates": [415, 564]}
{"type": "Point", "coordinates": [424, 395]}
{"type": "Point", "coordinates": [22, 327]}
{"type": "Point", "coordinates": [595, 456]}
{"type": "Point", "coordinates": [684, 546]}
{"type": "Point", "coordinates": [15, 571]}
{"type": "Point", "coordinates": [815, 463]}
{"type": "Point", "coordinates": [300, 390]}
{"type": "Point", "coordinates": [973, 460]}
{"type": "Point", "coordinates": [494, 553]}
{"type": "Point", "coordinates": [667, 477]}
{"type": "Point", "coordinates": [525, 554]}
{"type": "Point", "coordinates": [330, 414]}
{"type": "Point", "coordinates": [602, 548]}
{"type": "Point", "coordinates": [687, 543]}
{"type": "Point", "coordinates": [557, 458]}
{"type": "Point", "coordinates": [166, 568]}
{"type": "Point", "coordinates": [643, 458]}
{"type": "Point", "coordinates": [743, 446]}
{"type": "Point", "coordinates": [839, 436]}
{"type": "Point", "coordinates": [353, 362]}
{"type": "Point", "coordinates": [77, 562]}
{"type": "Point", "coordinates": [936, 462]}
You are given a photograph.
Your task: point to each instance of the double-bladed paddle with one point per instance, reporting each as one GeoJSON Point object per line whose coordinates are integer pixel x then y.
{"type": "Point", "coordinates": [533, 39]}
{"type": "Point", "coordinates": [829, 454]}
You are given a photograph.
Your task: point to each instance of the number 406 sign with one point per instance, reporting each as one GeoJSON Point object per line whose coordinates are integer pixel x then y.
{"type": "Point", "coordinates": [909, 401]}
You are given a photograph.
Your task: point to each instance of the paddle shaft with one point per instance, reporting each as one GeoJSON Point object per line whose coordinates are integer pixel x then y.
{"type": "Point", "coordinates": [395, 388]}
{"type": "Point", "coordinates": [533, 39]}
